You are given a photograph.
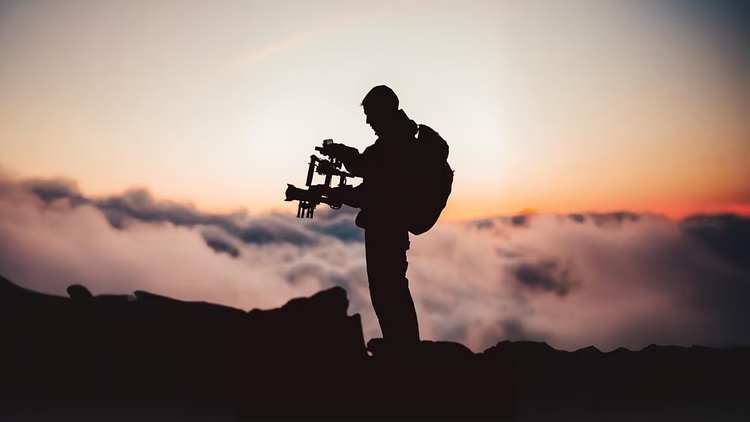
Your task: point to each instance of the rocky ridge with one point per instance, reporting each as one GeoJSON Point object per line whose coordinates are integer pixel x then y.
{"type": "Point", "coordinates": [148, 354]}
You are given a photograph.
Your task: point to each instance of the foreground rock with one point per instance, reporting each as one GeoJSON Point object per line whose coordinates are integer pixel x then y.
{"type": "Point", "coordinates": [150, 355]}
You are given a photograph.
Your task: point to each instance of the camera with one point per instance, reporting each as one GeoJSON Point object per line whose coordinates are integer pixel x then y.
{"type": "Point", "coordinates": [320, 193]}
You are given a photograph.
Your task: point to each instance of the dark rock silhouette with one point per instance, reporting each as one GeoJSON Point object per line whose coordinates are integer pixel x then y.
{"type": "Point", "coordinates": [145, 354]}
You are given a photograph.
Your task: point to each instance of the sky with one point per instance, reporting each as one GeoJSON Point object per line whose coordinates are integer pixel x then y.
{"type": "Point", "coordinates": [601, 194]}
{"type": "Point", "coordinates": [586, 106]}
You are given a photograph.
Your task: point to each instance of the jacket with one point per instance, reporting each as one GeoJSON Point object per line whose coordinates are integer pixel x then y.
{"type": "Point", "coordinates": [386, 168]}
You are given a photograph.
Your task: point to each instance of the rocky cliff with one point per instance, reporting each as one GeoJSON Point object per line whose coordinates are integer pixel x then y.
{"type": "Point", "coordinates": [144, 354]}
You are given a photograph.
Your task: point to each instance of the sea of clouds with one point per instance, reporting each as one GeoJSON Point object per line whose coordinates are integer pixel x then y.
{"type": "Point", "coordinates": [608, 280]}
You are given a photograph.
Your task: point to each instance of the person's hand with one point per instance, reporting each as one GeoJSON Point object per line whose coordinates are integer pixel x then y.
{"type": "Point", "coordinates": [335, 150]}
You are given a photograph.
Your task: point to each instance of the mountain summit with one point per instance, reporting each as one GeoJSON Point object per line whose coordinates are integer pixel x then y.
{"type": "Point", "coordinates": [145, 354]}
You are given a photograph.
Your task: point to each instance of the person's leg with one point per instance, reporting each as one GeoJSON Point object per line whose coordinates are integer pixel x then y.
{"type": "Point", "coordinates": [385, 251]}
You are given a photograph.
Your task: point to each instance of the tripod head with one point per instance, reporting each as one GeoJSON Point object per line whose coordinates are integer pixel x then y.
{"type": "Point", "coordinates": [316, 194]}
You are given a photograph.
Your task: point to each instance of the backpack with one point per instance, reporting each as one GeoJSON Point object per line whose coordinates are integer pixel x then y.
{"type": "Point", "coordinates": [432, 181]}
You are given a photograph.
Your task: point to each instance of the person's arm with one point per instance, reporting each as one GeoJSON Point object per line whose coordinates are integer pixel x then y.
{"type": "Point", "coordinates": [350, 157]}
{"type": "Point", "coordinates": [348, 195]}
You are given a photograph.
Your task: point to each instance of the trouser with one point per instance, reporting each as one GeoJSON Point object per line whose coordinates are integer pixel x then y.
{"type": "Point", "coordinates": [385, 252]}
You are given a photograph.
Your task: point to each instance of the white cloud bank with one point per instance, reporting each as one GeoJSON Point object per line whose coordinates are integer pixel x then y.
{"type": "Point", "coordinates": [608, 280]}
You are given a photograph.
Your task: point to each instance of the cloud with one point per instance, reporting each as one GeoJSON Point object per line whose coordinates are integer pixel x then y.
{"type": "Point", "coordinates": [514, 330]}
{"type": "Point", "coordinates": [49, 190]}
{"type": "Point", "coordinates": [291, 42]}
{"type": "Point", "coordinates": [613, 218]}
{"type": "Point", "coordinates": [342, 228]}
{"type": "Point", "coordinates": [576, 280]}
{"type": "Point", "coordinates": [139, 205]}
{"type": "Point", "coordinates": [294, 41]}
{"type": "Point", "coordinates": [220, 241]}
{"type": "Point", "coordinates": [578, 218]}
{"type": "Point", "coordinates": [727, 235]}
{"type": "Point", "coordinates": [544, 275]}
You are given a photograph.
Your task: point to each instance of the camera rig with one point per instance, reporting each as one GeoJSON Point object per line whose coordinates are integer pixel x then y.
{"type": "Point", "coordinates": [316, 194]}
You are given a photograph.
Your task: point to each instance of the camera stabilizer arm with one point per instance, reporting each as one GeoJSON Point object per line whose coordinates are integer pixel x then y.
{"type": "Point", "coordinates": [321, 193]}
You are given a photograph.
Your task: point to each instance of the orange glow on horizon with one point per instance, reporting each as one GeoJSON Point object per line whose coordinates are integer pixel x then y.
{"type": "Point", "coordinates": [539, 118]}
{"type": "Point", "coordinates": [672, 212]}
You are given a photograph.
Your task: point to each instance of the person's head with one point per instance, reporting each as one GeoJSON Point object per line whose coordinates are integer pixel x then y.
{"type": "Point", "coordinates": [381, 108]}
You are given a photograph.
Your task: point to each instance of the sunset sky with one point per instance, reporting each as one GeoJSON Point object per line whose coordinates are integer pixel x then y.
{"type": "Point", "coordinates": [147, 144]}
{"type": "Point", "coordinates": [553, 106]}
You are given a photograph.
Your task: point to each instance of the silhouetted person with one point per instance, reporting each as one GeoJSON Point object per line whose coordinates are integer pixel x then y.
{"type": "Point", "coordinates": [385, 170]}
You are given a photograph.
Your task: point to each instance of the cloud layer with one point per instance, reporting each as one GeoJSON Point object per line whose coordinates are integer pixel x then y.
{"type": "Point", "coordinates": [575, 280]}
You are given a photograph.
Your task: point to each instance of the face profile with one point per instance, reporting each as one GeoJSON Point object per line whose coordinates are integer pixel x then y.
{"type": "Point", "coordinates": [378, 120]}
{"type": "Point", "coordinates": [380, 106]}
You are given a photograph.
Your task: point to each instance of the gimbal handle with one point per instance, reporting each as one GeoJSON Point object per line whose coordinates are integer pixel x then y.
{"type": "Point", "coordinates": [310, 198]}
